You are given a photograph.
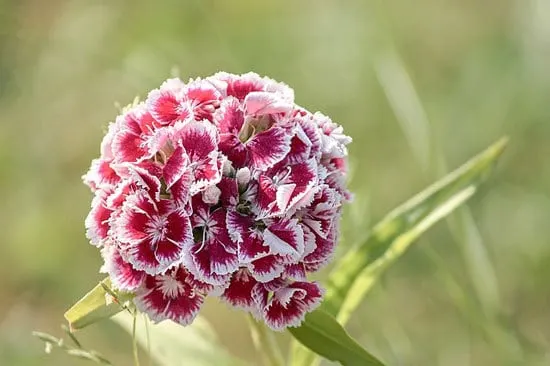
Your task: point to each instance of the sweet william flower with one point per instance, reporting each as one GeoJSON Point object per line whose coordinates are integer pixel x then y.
{"type": "Point", "coordinates": [221, 187]}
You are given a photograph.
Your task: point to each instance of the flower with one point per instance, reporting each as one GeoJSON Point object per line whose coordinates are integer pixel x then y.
{"type": "Point", "coordinates": [222, 187]}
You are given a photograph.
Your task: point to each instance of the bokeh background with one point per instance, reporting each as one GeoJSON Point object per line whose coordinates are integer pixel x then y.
{"type": "Point", "coordinates": [420, 85]}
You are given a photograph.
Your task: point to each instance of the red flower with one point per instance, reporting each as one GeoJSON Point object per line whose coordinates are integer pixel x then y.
{"type": "Point", "coordinates": [219, 187]}
{"type": "Point", "coordinates": [152, 234]}
{"type": "Point", "coordinates": [288, 305]}
{"type": "Point", "coordinates": [175, 295]}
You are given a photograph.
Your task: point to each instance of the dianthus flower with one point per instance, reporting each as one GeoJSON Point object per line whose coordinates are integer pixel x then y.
{"type": "Point", "coordinates": [219, 187]}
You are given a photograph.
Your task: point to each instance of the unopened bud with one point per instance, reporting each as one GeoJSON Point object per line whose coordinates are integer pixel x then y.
{"type": "Point", "coordinates": [227, 168]}
{"type": "Point", "coordinates": [243, 176]}
{"type": "Point", "coordinates": [211, 195]}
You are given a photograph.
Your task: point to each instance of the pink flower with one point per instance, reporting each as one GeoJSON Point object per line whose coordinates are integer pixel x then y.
{"type": "Point", "coordinates": [174, 295]}
{"type": "Point", "coordinates": [288, 305]}
{"type": "Point", "coordinates": [213, 253]}
{"type": "Point", "coordinates": [152, 234]}
{"type": "Point", "coordinates": [219, 187]}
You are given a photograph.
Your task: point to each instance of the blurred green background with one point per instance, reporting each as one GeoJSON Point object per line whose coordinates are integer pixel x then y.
{"type": "Point", "coordinates": [420, 85]}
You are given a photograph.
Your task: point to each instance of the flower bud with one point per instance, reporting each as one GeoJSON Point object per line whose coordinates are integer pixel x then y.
{"type": "Point", "coordinates": [243, 177]}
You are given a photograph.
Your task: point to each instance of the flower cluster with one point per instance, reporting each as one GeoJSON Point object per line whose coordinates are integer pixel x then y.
{"type": "Point", "coordinates": [221, 187]}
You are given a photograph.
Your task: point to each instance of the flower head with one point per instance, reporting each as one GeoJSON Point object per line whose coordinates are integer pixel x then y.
{"type": "Point", "coordinates": [219, 187]}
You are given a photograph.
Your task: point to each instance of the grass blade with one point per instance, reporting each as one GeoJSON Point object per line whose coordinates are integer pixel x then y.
{"type": "Point", "coordinates": [355, 273]}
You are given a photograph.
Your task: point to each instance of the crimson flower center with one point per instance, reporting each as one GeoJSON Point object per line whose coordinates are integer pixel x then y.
{"type": "Point", "coordinates": [157, 228]}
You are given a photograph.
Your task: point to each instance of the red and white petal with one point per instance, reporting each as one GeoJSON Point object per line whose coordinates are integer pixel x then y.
{"type": "Point", "coordinates": [210, 258]}
{"type": "Point", "coordinates": [199, 265]}
{"type": "Point", "coordinates": [250, 240]}
{"type": "Point", "coordinates": [97, 222]}
{"type": "Point", "coordinates": [229, 117]}
{"type": "Point", "coordinates": [322, 254]}
{"type": "Point", "coordinates": [289, 305]}
{"type": "Point", "coordinates": [304, 175]}
{"type": "Point", "coordinates": [169, 296]}
{"type": "Point", "coordinates": [285, 238]}
{"type": "Point", "coordinates": [262, 103]}
{"type": "Point", "coordinates": [333, 139]}
{"type": "Point", "coordinates": [135, 128]}
{"type": "Point", "coordinates": [234, 149]}
{"type": "Point", "coordinates": [300, 146]}
{"type": "Point", "coordinates": [132, 225]}
{"type": "Point", "coordinates": [123, 276]}
{"type": "Point", "coordinates": [176, 234]}
{"type": "Point", "coordinates": [296, 271]}
{"type": "Point", "coordinates": [239, 86]}
{"type": "Point", "coordinates": [100, 175]}
{"type": "Point", "coordinates": [203, 98]}
{"type": "Point", "coordinates": [200, 140]}
{"type": "Point", "coordinates": [268, 147]}
{"type": "Point", "coordinates": [180, 192]}
{"type": "Point", "coordinates": [313, 135]}
{"type": "Point", "coordinates": [239, 293]}
{"type": "Point", "coordinates": [152, 233]}
{"type": "Point", "coordinates": [229, 192]}
{"type": "Point", "coordinates": [167, 105]}
{"type": "Point", "coordinates": [107, 142]}
{"type": "Point", "coordinates": [266, 268]}
{"type": "Point", "coordinates": [175, 166]}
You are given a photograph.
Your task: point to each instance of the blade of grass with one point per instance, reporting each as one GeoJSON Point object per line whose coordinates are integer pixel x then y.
{"type": "Point", "coordinates": [355, 273]}
{"type": "Point", "coordinates": [413, 119]}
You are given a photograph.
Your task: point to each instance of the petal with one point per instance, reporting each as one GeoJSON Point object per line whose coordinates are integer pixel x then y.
{"type": "Point", "coordinates": [229, 191]}
{"type": "Point", "coordinates": [142, 257]}
{"type": "Point", "coordinates": [234, 149]}
{"type": "Point", "coordinates": [175, 166]}
{"type": "Point", "coordinates": [230, 117]}
{"type": "Point", "coordinates": [321, 255]}
{"type": "Point", "coordinates": [239, 293]}
{"type": "Point", "coordinates": [97, 222]}
{"type": "Point", "coordinates": [250, 240]}
{"type": "Point", "coordinates": [262, 103]}
{"type": "Point", "coordinates": [266, 268]}
{"type": "Point", "coordinates": [198, 138]}
{"type": "Point", "coordinates": [166, 105]}
{"type": "Point", "coordinates": [200, 141]}
{"type": "Point", "coordinates": [169, 296]}
{"type": "Point", "coordinates": [268, 147]}
{"type": "Point", "coordinates": [167, 253]}
{"type": "Point", "coordinates": [100, 175]}
{"type": "Point", "coordinates": [123, 276]}
{"type": "Point", "coordinates": [239, 86]}
{"type": "Point", "coordinates": [289, 305]}
{"type": "Point", "coordinates": [300, 146]}
{"type": "Point", "coordinates": [204, 99]}
{"type": "Point", "coordinates": [296, 271]}
{"type": "Point", "coordinates": [286, 238]}
{"type": "Point", "coordinates": [131, 226]}
{"type": "Point", "coordinates": [180, 191]}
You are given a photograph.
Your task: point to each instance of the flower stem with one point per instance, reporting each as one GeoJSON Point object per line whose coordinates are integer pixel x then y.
{"type": "Point", "coordinates": [265, 343]}
{"type": "Point", "coordinates": [134, 340]}
{"type": "Point", "coordinates": [146, 320]}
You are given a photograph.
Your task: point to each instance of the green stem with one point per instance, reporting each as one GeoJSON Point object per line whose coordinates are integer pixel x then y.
{"type": "Point", "coordinates": [146, 320]}
{"type": "Point", "coordinates": [265, 344]}
{"type": "Point", "coordinates": [134, 341]}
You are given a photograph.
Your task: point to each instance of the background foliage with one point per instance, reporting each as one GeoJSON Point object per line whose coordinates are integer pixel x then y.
{"type": "Point", "coordinates": [414, 82]}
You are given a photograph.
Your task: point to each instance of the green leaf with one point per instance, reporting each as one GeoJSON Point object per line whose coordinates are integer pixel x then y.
{"type": "Point", "coordinates": [171, 344]}
{"type": "Point", "coordinates": [95, 305]}
{"type": "Point", "coordinates": [321, 333]}
{"type": "Point", "coordinates": [355, 274]}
